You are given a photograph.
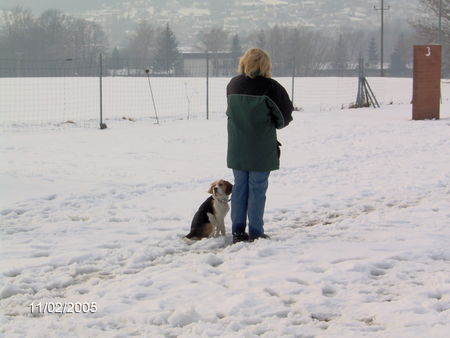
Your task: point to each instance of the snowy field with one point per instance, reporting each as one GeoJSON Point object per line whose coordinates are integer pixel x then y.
{"type": "Point", "coordinates": [359, 217]}
{"type": "Point", "coordinates": [44, 101]}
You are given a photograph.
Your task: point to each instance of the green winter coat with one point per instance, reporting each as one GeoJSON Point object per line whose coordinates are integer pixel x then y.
{"type": "Point", "coordinates": [256, 108]}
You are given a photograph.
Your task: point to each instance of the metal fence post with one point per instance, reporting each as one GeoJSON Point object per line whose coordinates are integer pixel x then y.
{"type": "Point", "coordinates": [293, 78]}
{"type": "Point", "coordinates": [102, 125]}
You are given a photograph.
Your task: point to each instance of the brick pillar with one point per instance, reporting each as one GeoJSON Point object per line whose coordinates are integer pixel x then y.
{"type": "Point", "coordinates": [427, 82]}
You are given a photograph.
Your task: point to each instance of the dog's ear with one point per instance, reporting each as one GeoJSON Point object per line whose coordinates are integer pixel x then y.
{"type": "Point", "coordinates": [210, 190]}
{"type": "Point", "coordinates": [229, 188]}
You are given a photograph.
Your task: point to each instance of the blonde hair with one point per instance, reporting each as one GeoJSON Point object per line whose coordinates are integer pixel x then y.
{"type": "Point", "coordinates": [255, 62]}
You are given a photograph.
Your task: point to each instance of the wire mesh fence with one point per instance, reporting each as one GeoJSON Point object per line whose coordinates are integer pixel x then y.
{"type": "Point", "coordinates": [36, 93]}
{"type": "Point", "coordinates": [68, 92]}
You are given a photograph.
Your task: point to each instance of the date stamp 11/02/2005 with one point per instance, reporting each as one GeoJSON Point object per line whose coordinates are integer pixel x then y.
{"type": "Point", "coordinates": [63, 308]}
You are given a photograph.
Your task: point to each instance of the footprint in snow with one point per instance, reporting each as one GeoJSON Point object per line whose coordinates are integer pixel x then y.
{"type": "Point", "coordinates": [442, 307]}
{"type": "Point", "coordinates": [384, 265]}
{"type": "Point", "coordinates": [377, 272]}
{"type": "Point", "coordinates": [266, 252]}
{"type": "Point", "coordinates": [435, 295]}
{"type": "Point", "coordinates": [6, 212]}
{"type": "Point", "coordinates": [213, 260]}
{"type": "Point", "coordinates": [19, 212]}
{"type": "Point", "coordinates": [118, 220]}
{"type": "Point", "coordinates": [141, 296]}
{"type": "Point", "coordinates": [328, 291]}
{"type": "Point", "coordinates": [367, 209]}
{"type": "Point", "coordinates": [297, 281]}
{"type": "Point", "coordinates": [12, 273]}
{"type": "Point", "coordinates": [38, 254]}
{"type": "Point", "coordinates": [323, 317]}
{"type": "Point", "coordinates": [271, 292]}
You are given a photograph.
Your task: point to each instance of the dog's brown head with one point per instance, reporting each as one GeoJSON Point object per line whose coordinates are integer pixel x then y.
{"type": "Point", "coordinates": [220, 187]}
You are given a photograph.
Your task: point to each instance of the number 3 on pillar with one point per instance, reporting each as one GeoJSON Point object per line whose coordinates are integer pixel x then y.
{"type": "Point", "coordinates": [428, 51]}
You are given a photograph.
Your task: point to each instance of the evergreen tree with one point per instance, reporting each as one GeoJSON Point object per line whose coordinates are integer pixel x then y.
{"type": "Point", "coordinates": [398, 57]}
{"type": "Point", "coordinates": [372, 53]}
{"type": "Point", "coordinates": [261, 39]}
{"type": "Point", "coordinates": [275, 45]}
{"type": "Point", "coordinates": [116, 59]}
{"type": "Point", "coordinates": [293, 49]}
{"type": "Point", "coordinates": [167, 54]}
{"type": "Point", "coordinates": [236, 53]}
{"type": "Point", "coordinates": [397, 64]}
{"type": "Point", "coordinates": [236, 49]}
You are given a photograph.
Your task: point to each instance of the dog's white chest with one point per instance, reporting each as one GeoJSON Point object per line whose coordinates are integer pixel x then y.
{"type": "Point", "coordinates": [221, 209]}
{"type": "Point", "coordinates": [218, 219]}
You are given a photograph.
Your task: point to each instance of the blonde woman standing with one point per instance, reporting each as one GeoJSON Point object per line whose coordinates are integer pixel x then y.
{"type": "Point", "coordinates": [257, 106]}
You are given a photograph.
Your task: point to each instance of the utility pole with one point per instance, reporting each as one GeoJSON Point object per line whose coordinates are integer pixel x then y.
{"type": "Point", "coordinates": [382, 9]}
{"type": "Point", "coordinates": [440, 23]}
{"type": "Point", "coordinates": [207, 84]}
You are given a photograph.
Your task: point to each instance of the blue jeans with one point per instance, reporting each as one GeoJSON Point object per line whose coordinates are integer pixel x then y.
{"type": "Point", "coordinates": [249, 200]}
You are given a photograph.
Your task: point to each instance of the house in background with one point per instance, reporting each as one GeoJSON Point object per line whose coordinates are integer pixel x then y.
{"type": "Point", "coordinates": [220, 64]}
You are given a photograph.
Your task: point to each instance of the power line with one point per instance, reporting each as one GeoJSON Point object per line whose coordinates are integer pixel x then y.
{"type": "Point", "coordinates": [382, 9]}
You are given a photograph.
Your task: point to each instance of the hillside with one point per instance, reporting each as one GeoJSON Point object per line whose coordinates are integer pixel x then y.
{"type": "Point", "coordinates": [188, 17]}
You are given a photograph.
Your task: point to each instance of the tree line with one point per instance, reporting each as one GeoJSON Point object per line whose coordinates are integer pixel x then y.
{"type": "Point", "coordinates": [51, 36]}
{"type": "Point", "coordinates": [302, 51]}
{"type": "Point", "coordinates": [294, 50]}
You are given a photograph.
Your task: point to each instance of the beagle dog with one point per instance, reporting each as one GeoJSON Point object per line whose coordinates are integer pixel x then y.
{"type": "Point", "coordinates": [209, 220]}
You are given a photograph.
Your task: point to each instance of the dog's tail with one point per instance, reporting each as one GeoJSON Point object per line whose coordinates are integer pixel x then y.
{"type": "Point", "coordinates": [191, 237]}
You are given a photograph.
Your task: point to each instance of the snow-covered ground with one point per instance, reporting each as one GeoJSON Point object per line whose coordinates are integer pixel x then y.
{"type": "Point", "coordinates": [43, 101]}
{"type": "Point", "coordinates": [359, 217]}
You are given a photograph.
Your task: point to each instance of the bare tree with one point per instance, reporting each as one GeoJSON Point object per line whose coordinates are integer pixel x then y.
{"type": "Point", "coordinates": [18, 30]}
{"type": "Point", "coordinates": [356, 44]}
{"type": "Point", "coordinates": [309, 49]}
{"type": "Point", "coordinates": [141, 45]}
{"type": "Point", "coordinates": [51, 36]}
{"type": "Point", "coordinates": [86, 40]}
{"type": "Point", "coordinates": [426, 26]}
{"type": "Point", "coordinates": [314, 52]}
{"type": "Point", "coordinates": [214, 40]}
{"type": "Point", "coordinates": [51, 28]}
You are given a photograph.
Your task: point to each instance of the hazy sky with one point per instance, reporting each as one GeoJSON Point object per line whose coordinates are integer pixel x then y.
{"type": "Point", "coordinates": [38, 6]}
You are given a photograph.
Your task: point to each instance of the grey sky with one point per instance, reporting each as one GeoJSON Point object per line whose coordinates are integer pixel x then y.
{"type": "Point", "coordinates": [37, 6]}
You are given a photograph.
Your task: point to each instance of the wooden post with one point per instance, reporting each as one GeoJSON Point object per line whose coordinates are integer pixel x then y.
{"type": "Point", "coordinates": [427, 82]}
